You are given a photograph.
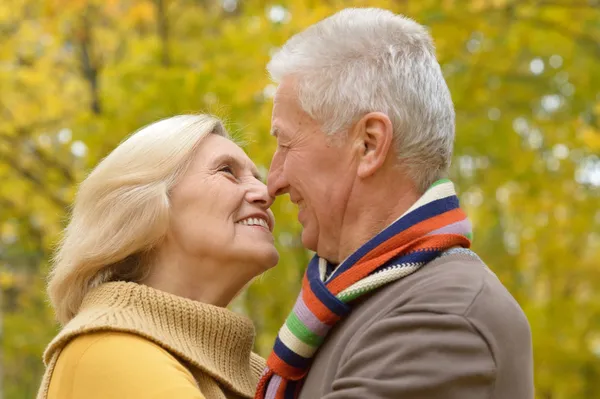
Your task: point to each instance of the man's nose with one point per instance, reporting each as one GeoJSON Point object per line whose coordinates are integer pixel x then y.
{"type": "Point", "coordinates": [276, 181]}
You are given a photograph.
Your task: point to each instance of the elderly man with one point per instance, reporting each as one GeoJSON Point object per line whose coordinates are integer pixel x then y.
{"type": "Point", "coordinates": [394, 304]}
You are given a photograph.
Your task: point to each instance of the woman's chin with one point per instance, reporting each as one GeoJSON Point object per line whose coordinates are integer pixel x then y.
{"type": "Point", "coordinates": [255, 257]}
{"type": "Point", "coordinates": [265, 258]}
{"type": "Point", "coordinates": [271, 258]}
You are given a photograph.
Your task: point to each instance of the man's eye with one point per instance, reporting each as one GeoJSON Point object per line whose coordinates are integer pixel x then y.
{"type": "Point", "coordinates": [227, 169]}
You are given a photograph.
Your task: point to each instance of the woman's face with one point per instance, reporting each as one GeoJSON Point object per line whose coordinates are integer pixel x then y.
{"type": "Point", "coordinates": [220, 211]}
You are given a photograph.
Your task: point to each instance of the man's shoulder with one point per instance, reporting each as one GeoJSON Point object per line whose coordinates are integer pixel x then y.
{"type": "Point", "coordinates": [458, 282]}
{"type": "Point", "coordinates": [456, 285]}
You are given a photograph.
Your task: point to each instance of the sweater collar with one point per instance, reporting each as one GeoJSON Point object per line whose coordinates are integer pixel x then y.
{"type": "Point", "coordinates": [212, 339]}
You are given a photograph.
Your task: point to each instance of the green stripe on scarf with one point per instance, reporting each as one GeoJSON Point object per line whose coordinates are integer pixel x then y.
{"type": "Point", "coordinates": [301, 332]}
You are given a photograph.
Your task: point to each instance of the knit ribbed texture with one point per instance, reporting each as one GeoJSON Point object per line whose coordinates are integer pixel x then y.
{"type": "Point", "coordinates": [212, 341]}
{"type": "Point", "coordinates": [434, 224]}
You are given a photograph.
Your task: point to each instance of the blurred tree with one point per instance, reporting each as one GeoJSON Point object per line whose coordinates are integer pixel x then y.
{"type": "Point", "coordinates": [78, 76]}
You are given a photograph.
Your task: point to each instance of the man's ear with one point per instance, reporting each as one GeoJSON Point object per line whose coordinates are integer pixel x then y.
{"type": "Point", "coordinates": [374, 135]}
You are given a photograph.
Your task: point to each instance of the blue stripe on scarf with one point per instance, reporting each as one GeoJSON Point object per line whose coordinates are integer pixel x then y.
{"type": "Point", "coordinates": [291, 358]}
{"type": "Point", "coordinates": [321, 292]}
{"type": "Point", "coordinates": [434, 208]}
{"type": "Point", "coordinates": [290, 390]}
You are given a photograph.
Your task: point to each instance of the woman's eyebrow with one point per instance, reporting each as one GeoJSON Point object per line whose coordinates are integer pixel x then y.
{"type": "Point", "coordinates": [228, 159]}
{"type": "Point", "coordinates": [225, 158]}
{"type": "Point", "coordinates": [256, 173]}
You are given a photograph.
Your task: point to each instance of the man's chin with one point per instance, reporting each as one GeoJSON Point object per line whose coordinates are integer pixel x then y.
{"type": "Point", "coordinates": [309, 240]}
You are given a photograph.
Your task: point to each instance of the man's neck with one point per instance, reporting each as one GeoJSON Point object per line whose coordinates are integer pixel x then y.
{"type": "Point", "coordinates": [366, 221]}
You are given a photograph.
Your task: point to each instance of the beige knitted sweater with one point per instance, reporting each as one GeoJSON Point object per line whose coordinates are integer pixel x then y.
{"type": "Point", "coordinates": [213, 343]}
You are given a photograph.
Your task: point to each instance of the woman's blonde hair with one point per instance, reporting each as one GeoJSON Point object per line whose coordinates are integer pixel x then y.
{"type": "Point", "coordinates": [121, 210]}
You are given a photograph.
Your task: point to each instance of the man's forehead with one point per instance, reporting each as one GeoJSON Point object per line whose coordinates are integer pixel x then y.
{"type": "Point", "coordinates": [282, 128]}
{"type": "Point", "coordinates": [280, 122]}
{"type": "Point", "coordinates": [285, 93]}
{"type": "Point", "coordinates": [286, 109]}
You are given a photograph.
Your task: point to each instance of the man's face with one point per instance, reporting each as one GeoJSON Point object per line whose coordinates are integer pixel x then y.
{"type": "Point", "coordinates": [317, 174]}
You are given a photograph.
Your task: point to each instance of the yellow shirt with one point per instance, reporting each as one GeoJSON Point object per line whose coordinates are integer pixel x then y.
{"type": "Point", "coordinates": [86, 369]}
{"type": "Point", "coordinates": [130, 341]}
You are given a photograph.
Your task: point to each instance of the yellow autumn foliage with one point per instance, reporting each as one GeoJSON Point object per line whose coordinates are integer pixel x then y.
{"type": "Point", "coordinates": [77, 76]}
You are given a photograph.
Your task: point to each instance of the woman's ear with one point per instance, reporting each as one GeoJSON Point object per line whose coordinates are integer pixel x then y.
{"type": "Point", "coordinates": [374, 139]}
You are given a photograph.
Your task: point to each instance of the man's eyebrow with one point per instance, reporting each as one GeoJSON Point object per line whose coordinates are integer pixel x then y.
{"type": "Point", "coordinates": [274, 131]}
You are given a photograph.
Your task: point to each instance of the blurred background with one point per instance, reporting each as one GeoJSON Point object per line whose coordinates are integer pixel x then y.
{"type": "Point", "coordinates": [77, 76]}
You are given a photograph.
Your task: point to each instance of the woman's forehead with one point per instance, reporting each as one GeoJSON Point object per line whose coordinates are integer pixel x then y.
{"type": "Point", "coordinates": [218, 150]}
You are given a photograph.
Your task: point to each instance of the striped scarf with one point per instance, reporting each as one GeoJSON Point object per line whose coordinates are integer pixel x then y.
{"type": "Point", "coordinates": [432, 225]}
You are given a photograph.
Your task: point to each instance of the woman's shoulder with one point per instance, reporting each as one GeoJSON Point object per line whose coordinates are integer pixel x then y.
{"type": "Point", "coordinates": [107, 344]}
{"type": "Point", "coordinates": [104, 364]}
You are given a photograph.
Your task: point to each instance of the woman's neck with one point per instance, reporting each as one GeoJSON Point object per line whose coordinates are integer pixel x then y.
{"type": "Point", "coordinates": [203, 280]}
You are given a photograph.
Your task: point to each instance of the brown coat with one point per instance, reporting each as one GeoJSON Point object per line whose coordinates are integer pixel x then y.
{"type": "Point", "coordinates": [449, 331]}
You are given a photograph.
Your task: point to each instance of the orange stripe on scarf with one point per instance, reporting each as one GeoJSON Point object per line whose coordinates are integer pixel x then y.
{"type": "Point", "coordinates": [385, 252]}
{"type": "Point", "coordinates": [359, 271]}
{"type": "Point", "coordinates": [283, 369]}
{"type": "Point", "coordinates": [316, 306]}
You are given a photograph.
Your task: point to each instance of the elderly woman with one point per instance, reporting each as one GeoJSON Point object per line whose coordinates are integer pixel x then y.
{"type": "Point", "coordinates": [164, 233]}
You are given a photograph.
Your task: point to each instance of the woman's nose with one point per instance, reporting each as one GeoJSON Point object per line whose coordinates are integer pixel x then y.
{"type": "Point", "coordinates": [259, 195]}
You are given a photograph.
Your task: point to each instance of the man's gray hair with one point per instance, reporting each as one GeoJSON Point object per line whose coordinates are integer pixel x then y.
{"type": "Point", "coordinates": [363, 60]}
